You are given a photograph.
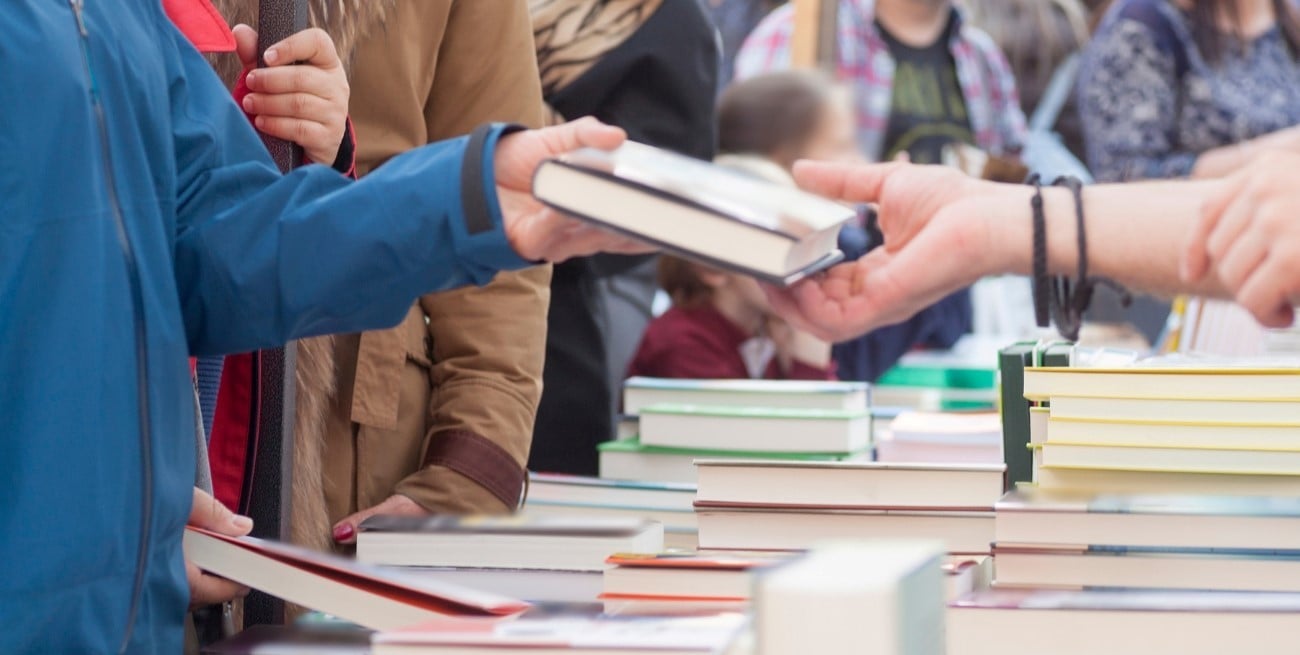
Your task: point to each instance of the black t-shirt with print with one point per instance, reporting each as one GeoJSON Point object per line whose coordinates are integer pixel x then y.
{"type": "Point", "coordinates": [928, 109]}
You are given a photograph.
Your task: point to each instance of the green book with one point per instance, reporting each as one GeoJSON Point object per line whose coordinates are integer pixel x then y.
{"type": "Point", "coordinates": [1012, 361]}
{"type": "Point", "coordinates": [630, 460]}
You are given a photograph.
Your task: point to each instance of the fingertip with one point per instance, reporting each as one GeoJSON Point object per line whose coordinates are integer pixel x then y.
{"type": "Point", "coordinates": [272, 56]}
{"type": "Point", "coordinates": [241, 523]}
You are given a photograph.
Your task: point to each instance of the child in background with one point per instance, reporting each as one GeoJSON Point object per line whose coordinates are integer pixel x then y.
{"type": "Point", "coordinates": [793, 115]}
{"type": "Point", "coordinates": [720, 325]}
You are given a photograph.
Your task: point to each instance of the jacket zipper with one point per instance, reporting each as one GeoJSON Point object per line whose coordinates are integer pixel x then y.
{"type": "Point", "coordinates": [141, 352]}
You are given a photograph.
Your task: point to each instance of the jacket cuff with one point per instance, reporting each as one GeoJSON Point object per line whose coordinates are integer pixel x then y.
{"type": "Point", "coordinates": [481, 235]}
{"type": "Point", "coordinates": [479, 459]}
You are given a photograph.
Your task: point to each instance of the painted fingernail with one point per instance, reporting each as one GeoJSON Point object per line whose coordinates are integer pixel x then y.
{"type": "Point", "coordinates": [241, 522]}
{"type": "Point", "coordinates": [272, 55]}
{"type": "Point", "coordinates": [343, 532]}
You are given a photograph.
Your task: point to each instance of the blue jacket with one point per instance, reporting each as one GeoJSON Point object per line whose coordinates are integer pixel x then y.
{"type": "Point", "coordinates": [141, 221]}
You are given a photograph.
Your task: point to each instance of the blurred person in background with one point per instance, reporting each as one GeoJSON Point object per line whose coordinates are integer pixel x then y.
{"type": "Point", "coordinates": [1190, 88]}
{"type": "Point", "coordinates": [922, 77]}
{"type": "Point", "coordinates": [650, 67]}
{"type": "Point", "coordinates": [1038, 37]}
{"type": "Point", "coordinates": [720, 324]}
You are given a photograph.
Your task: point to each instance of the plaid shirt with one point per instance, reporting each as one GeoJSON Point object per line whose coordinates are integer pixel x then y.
{"type": "Point", "coordinates": [865, 61]}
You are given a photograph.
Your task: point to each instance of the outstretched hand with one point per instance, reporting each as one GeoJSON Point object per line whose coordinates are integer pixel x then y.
{"type": "Point", "coordinates": [1249, 238]}
{"type": "Point", "coordinates": [937, 240]}
{"type": "Point", "coordinates": [535, 231]}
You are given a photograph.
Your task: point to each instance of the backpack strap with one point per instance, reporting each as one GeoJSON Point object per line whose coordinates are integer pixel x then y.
{"type": "Point", "coordinates": [1054, 97]}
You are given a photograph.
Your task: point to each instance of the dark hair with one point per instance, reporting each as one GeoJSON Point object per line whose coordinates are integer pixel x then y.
{"type": "Point", "coordinates": [1036, 35]}
{"type": "Point", "coordinates": [1212, 41]}
{"type": "Point", "coordinates": [681, 280]}
{"type": "Point", "coordinates": [772, 115]}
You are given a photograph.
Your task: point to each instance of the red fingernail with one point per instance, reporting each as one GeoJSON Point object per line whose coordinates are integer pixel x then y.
{"type": "Point", "coordinates": [343, 532]}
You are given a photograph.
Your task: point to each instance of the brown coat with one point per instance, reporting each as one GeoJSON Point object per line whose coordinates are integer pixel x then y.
{"type": "Point", "coordinates": [440, 408]}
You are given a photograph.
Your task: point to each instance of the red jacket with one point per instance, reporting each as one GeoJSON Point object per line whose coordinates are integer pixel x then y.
{"type": "Point", "coordinates": [699, 342]}
{"type": "Point", "coordinates": [229, 443]}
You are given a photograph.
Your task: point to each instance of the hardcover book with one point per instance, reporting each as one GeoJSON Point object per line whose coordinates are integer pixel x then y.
{"type": "Point", "coordinates": [698, 210]}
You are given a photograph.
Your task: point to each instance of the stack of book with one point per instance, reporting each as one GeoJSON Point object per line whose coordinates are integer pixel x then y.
{"type": "Point", "coordinates": [680, 421]}
{"type": "Point", "coordinates": [684, 580]}
{"type": "Point", "coordinates": [949, 437]}
{"type": "Point", "coordinates": [1218, 543]}
{"type": "Point", "coordinates": [724, 580]}
{"type": "Point", "coordinates": [669, 503]}
{"type": "Point", "coordinates": [749, 505]}
{"type": "Point", "coordinates": [1063, 622]}
{"type": "Point", "coordinates": [1186, 429]}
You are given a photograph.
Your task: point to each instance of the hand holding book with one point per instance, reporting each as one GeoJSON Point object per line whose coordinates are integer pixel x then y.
{"type": "Point", "coordinates": [534, 230]}
{"type": "Point", "coordinates": [208, 513]}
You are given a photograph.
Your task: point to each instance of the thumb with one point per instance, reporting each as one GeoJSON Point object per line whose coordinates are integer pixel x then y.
{"type": "Point", "coordinates": [208, 513]}
{"type": "Point", "coordinates": [246, 44]}
{"type": "Point", "coordinates": [345, 531]}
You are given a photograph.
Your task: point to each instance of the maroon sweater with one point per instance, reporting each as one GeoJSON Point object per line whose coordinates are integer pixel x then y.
{"type": "Point", "coordinates": [699, 342]}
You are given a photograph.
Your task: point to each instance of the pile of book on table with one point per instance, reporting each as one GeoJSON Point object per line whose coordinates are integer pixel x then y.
{"type": "Point", "coordinates": [1163, 519]}
{"type": "Point", "coordinates": [668, 503]}
{"type": "Point", "coordinates": [679, 421]}
{"type": "Point", "coordinates": [776, 505]}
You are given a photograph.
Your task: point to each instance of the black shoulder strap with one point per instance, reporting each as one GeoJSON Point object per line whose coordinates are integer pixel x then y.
{"type": "Point", "coordinates": [271, 449]}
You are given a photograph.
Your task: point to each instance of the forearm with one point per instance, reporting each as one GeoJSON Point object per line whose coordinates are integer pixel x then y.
{"type": "Point", "coordinates": [1135, 232]}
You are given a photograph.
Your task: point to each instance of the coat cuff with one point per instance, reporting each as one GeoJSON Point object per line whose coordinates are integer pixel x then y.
{"type": "Point", "coordinates": [481, 235]}
{"type": "Point", "coordinates": [480, 460]}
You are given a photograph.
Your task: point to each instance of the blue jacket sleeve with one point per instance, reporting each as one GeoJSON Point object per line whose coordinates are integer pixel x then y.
{"type": "Point", "coordinates": [261, 258]}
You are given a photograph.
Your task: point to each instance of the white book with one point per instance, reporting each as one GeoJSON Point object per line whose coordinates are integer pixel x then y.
{"type": "Point", "coordinates": [758, 529]}
{"type": "Point", "coordinates": [1128, 569]}
{"type": "Point", "coordinates": [1128, 622]}
{"type": "Point", "coordinates": [697, 209]}
{"type": "Point", "coordinates": [1179, 460]}
{"type": "Point", "coordinates": [572, 543]}
{"type": "Point", "coordinates": [639, 392]}
{"type": "Point", "coordinates": [1186, 383]}
{"type": "Point", "coordinates": [1233, 412]}
{"type": "Point", "coordinates": [848, 484]}
{"type": "Point", "coordinates": [370, 597]}
{"type": "Point", "coordinates": [1172, 435]}
{"type": "Point", "coordinates": [881, 597]}
{"type": "Point", "coordinates": [755, 429]}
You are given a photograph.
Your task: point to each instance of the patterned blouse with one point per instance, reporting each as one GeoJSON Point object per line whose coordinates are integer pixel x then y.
{"type": "Point", "coordinates": [1151, 103]}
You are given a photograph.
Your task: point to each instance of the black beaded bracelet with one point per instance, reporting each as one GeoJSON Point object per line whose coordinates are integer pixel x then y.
{"type": "Point", "coordinates": [1040, 280]}
{"type": "Point", "coordinates": [1069, 301]}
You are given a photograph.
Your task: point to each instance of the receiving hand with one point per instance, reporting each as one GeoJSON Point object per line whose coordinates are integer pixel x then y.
{"type": "Point", "coordinates": [937, 240]}
{"type": "Point", "coordinates": [304, 103]}
{"type": "Point", "coordinates": [535, 231]}
{"type": "Point", "coordinates": [1249, 237]}
{"type": "Point", "coordinates": [345, 531]}
{"type": "Point", "coordinates": [208, 513]}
